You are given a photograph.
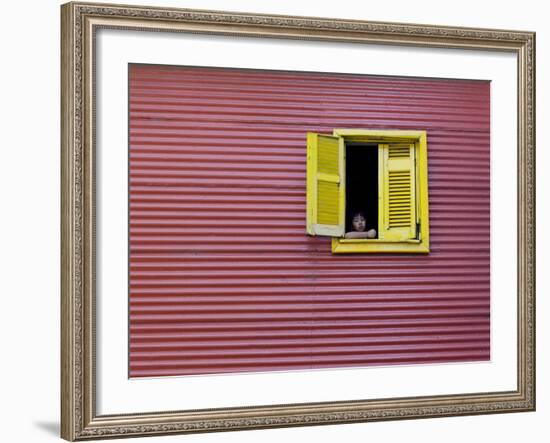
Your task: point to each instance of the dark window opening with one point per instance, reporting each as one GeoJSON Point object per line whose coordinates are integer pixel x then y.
{"type": "Point", "coordinates": [362, 184]}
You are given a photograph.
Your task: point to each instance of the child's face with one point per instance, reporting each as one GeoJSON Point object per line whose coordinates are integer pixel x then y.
{"type": "Point", "coordinates": [359, 223]}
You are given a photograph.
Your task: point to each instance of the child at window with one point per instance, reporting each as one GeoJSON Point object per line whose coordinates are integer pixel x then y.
{"type": "Point", "coordinates": [359, 225]}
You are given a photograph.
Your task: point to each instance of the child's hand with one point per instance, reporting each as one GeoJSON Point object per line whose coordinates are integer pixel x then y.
{"type": "Point", "coordinates": [365, 234]}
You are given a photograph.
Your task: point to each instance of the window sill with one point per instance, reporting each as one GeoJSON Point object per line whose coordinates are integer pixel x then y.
{"type": "Point", "coordinates": [350, 246]}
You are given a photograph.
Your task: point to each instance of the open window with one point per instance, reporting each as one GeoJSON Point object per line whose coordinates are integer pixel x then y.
{"type": "Point", "coordinates": [380, 174]}
{"type": "Point", "coordinates": [361, 186]}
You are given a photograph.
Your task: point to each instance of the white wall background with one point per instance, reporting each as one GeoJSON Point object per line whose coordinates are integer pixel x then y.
{"type": "Point", "coordinates": [29, 219]}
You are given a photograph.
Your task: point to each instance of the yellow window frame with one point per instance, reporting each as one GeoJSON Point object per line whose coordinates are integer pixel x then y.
{"type": "Point", "coordinates": [420, 245]}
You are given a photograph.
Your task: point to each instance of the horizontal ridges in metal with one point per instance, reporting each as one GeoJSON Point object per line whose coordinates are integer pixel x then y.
{"type": "Point", "coordinates": [223, 277]}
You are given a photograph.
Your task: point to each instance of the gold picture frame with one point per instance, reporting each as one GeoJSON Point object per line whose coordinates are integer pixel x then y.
{"type": "Point", "coordinates": [80, 21]}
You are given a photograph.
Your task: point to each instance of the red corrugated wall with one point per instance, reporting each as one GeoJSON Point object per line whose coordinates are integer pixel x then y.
{"type": "Point", "coordinates": [223, 277]}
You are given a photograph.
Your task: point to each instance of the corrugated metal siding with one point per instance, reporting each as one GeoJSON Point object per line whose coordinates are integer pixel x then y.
{"type": "Point", "coordinates": [223, 277]}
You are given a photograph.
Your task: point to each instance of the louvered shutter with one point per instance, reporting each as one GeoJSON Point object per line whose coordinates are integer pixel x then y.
{"type": "Point", "coordinates": [325, 185]}
{"type": "Point", "coordinates": [399, 196]}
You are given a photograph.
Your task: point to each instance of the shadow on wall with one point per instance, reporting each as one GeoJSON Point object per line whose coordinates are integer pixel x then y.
{"type": "Point", "coordinates": [50, 427]}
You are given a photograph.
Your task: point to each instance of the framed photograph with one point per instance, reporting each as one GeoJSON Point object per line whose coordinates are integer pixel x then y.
{"type": "Point", "coordinates": [275, 221]}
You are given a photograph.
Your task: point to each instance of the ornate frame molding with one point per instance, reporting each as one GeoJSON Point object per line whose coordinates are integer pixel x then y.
{"type": "Point", "coordinates": [79, 420]}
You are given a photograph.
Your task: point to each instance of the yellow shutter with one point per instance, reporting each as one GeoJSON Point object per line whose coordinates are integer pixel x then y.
{"type": "Point", "coordinates": [325, 185]}
{"type": "Point", "coordinates": [399, 218]}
